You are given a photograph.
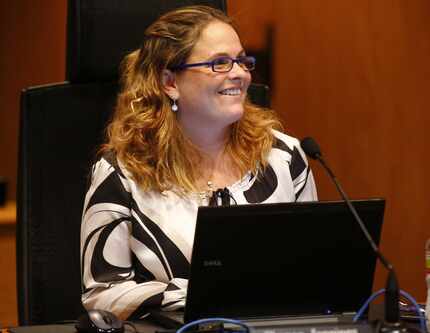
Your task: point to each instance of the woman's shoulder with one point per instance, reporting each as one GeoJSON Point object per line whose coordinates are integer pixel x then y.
{"type": "Point", "coordinates": [108, 162]}
{"type": "Point", "coordinates": [285, 142]}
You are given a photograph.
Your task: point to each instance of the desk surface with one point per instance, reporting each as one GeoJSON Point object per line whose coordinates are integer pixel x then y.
{"type": "Point", "coordinates": [68, 328]}
{"type": "Point", "coordinates": [142, 327]}
{"type": "Point", "coordinates": [146, 326]}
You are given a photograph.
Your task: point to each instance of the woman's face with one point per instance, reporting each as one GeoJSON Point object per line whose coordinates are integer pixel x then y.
{"type": "Point", "coordinates": [211, 100]}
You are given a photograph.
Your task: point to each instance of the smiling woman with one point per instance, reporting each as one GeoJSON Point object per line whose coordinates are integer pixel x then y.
{"type": "Point", "coordinates": [210, 100]}
{"type": "Point", "coordinates": [183, 135]}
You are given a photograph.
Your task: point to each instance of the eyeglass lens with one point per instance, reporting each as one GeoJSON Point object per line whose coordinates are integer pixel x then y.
{"type": "Point", "coordinates": [225, 64]}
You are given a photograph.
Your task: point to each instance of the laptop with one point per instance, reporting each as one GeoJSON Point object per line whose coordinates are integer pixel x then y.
{"type": "Point", "coordinates": [305, 262]}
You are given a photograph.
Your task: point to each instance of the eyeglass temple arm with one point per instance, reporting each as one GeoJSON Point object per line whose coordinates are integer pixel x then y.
{"type": "Point", "coordinates": [193, 65]}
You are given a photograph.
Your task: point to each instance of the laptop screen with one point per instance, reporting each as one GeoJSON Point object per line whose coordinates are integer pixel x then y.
{"type": "Point", "coordinates": [282, 259]}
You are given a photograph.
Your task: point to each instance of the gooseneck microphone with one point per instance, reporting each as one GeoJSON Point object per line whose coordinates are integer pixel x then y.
{"type": "Point", "coordinates": [392, 314]}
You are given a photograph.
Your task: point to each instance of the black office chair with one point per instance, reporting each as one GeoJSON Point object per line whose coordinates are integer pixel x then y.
{"type": "Point", "coordinates": [60, 130]}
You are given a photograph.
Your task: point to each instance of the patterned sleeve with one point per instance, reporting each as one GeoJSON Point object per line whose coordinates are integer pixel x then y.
{"type": "Point", "coordinates": [301, 173]}
{"type": "Point", "coordinates": [110, 280]}
{"type": "Point", "coordinates": [303, 179]}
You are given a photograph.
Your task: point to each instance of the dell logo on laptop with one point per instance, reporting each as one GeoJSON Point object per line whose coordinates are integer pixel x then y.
{"type": "Point", "coordinates": [212, 263]}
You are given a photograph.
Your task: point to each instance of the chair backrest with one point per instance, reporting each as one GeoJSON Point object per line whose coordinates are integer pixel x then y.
{"type": "Point", "coordinates": [61, 127]}
{"type": "Point", "coordinates": [101, 32]}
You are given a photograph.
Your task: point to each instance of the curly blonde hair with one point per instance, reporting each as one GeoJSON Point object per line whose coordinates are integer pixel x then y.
{"type": "Point", "coordinates": [144, 132]}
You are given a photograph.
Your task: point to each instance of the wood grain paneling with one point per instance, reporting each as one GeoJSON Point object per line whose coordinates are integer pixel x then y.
{"type": "Point", "coordinates": [32, 44]}
{"type": "Point", "coordinates": [355, 75]}
{"type": "Point", "coordinates": [252, 19]}
{"type": "Point", "coordinates": [8, 304]}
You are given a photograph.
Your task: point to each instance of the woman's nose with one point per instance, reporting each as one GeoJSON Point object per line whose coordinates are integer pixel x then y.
{"type": "Point", "coordinates": [238, 71]}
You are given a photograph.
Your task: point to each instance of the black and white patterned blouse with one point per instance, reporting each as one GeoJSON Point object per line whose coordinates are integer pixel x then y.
{"type": "Point", "coordinates": [136, 245]}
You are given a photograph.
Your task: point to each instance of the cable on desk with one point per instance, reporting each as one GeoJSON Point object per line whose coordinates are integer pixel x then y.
{"type": "Point", "coordinates": [215, 321]}
{"type": "Point", "coordinates": [404, 294]}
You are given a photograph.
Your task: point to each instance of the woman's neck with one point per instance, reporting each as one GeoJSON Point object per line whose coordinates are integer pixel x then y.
{"type": "Point", "coordinates": [213, 157]}
{"type": "Point", "coordinates": [216, 166]}
{"type": "Point", "coordinates": [211, 142]}
{"type": "Point", "coordinates": [217, 169]}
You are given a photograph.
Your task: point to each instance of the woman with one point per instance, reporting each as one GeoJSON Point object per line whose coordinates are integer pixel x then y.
{"type": "Point", "coordinates": [182, 129]}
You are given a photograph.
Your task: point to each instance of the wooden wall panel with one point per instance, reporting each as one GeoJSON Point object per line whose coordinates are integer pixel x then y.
{"type": "Point", "coordinates": [252, 19]}
{"type": "Point", "coordinates": [355, 75]}
{"type": "Point", "coordinates": [32, 52]}
{"type": "Point", "coordinates": [8, 304]}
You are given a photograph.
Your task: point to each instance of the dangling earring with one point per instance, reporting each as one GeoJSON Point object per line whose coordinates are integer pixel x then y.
{"type": "Point", "coordinates": [174, 106]}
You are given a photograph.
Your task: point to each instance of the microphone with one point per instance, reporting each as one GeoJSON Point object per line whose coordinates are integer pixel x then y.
{"type": "Point", "coordinates": [223, 194]}
{"type": "Point", "coordinates": [392, 313]}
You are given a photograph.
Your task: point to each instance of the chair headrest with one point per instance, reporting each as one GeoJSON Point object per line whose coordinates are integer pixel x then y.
{"type": "Point", "coordinates": [101, 32]}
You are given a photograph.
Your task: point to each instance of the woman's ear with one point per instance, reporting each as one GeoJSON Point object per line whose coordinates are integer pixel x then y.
{"type": "Point", "coordinates": [170, 87]}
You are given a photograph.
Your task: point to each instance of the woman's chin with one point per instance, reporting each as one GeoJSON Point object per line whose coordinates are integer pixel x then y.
{"type": "Point", "coordinates": [233, 114]}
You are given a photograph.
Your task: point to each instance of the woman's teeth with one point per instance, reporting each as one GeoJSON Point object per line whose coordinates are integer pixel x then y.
{"type": "Point", "coordinates": [231, 92]}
